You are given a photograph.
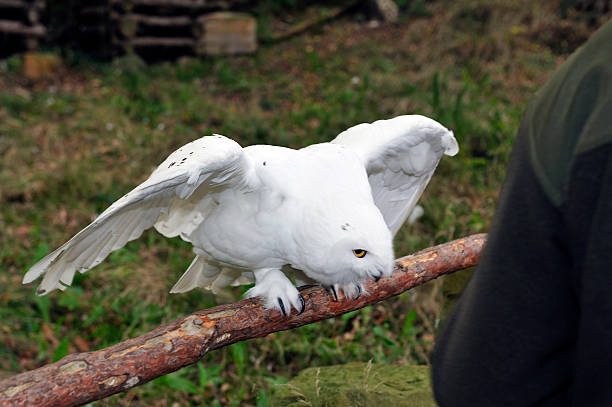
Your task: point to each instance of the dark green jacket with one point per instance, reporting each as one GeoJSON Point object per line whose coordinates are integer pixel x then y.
{"type": "Point", "coordinates": [534, 325]}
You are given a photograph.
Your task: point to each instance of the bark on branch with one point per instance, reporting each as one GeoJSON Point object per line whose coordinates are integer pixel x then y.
{"type": "Point", "coordinates": [83, 377]}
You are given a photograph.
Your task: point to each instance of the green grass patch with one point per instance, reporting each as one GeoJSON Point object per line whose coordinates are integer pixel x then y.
{"type": "Point", "coordinates": [72, 144]}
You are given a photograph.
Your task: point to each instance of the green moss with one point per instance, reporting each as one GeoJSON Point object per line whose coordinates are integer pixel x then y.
{"type": "Point", "coordinates": [357, 384]}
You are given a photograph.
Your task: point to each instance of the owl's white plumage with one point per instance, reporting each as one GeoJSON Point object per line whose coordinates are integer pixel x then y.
{"type": "Point", "coordinates": [261, 212]}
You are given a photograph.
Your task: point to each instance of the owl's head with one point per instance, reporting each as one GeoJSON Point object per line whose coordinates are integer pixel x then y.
{"type": "Point", "coordinates": [351, 246]}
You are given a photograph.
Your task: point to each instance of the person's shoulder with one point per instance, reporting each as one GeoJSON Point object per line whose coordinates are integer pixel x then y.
{"type": "Point", "coordinates": [596, 77]}
{"type": "Point", "coordinates": [572, 113]}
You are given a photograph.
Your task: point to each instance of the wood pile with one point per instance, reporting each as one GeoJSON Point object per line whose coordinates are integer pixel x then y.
{"type": "Point", "coordinates": [163, 29]}
{"type": "Point", "coordinates": [593, 8]}
{"type": "Point", "coordinates": [20, 25]}
{"type": "Point", "coordinates": [152, 29]}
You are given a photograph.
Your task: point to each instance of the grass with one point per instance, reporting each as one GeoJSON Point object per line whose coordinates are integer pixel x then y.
{"type": "Point", "coordinates": [74, 142]}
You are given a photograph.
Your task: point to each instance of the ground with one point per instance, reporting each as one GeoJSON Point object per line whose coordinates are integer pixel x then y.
{"type": "Point", "coordinates": [77, 139]}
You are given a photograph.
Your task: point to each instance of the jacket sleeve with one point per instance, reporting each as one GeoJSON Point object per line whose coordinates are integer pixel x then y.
{"type": "Point", "coordinates": [589, 220]}
{"type": "Point", "coordinates": [509, 340]}
{"type": "Point", "coordinates": [534, 324]}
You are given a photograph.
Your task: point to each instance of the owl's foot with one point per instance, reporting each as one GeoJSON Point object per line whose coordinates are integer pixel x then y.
{"type": "Point", "coordinates": [351, 290]}
{"type": "Point", "coordinates": [379, 272]}
{"type": "Point", "coordinates": [277, 291]}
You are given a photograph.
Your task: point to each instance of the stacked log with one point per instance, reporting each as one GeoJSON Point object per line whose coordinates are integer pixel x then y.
{"type": "Point", "coordinates": [226, 34]}
{"type": "Point", "coordinates": [20, 25]}
{"type": "Point", "coordinates": [165, 29]}
{"type": "Point", "coordinates": [593, 8]}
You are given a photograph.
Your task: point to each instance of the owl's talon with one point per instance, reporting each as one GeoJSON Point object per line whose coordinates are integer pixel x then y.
{"type": "Point", "coordinates": [302, 302]}
{"type": "Point", "coordinates": [282, 306]}
{"type": "Point", "coordinates": [332, 288]}
{"type": "Point", "coordinates": [359, 291]}
{"type": "Point", "coordinates": [276, 291]}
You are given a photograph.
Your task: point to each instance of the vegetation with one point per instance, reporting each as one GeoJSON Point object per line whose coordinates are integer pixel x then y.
{"type": "Point", "coordinates": [73, 142]}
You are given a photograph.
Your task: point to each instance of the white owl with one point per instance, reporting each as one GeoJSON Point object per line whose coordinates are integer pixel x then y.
{"type": "Point", "coordinates": [325, 213]}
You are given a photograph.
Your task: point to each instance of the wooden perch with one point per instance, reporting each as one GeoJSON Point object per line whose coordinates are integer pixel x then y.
{"type": "Point", "coordinates": [83, 377]}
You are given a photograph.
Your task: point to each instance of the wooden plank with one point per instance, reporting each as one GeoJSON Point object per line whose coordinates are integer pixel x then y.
{"type": "Point", "coordinates": [130, 24]}
{"type": "Point", "coordinates": [176, 21]}
{"type": "Point", "coordinates": [161, 42]}
{"type": "Point", "coordinates": [15, 27]}
{"type": "Point", "coordinates": [14, 4]}
{"type": "Point", "coordinates": [22, 4]}
{"type": "Point", "coordinates": [164, 3]}
{"type": "Point", "coordinates": [32, 10]}
{"type": "Point", "coordinates": [227, 33]}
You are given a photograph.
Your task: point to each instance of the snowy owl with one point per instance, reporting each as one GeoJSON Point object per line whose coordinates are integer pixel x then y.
{"type": "Point", "coordinates": [325, 213]}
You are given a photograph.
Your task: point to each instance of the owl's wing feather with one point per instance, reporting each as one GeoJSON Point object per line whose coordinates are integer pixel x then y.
{"type": "Point", "coordinates": [400, 156]}
{"type": "Point", "coordinates": [208, 164]}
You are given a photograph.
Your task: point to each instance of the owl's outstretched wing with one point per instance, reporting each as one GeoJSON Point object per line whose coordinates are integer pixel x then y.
{"type": "Point", "coordinates": [399, 155]}
{"type": "Point", "coordinates": [209, 163]}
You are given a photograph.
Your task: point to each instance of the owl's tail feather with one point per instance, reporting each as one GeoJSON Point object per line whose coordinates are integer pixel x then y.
{"type": "Point", "coordinates": [202, 273]}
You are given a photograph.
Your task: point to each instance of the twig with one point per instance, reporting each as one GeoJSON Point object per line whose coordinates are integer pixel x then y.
{"type": "Point", "coordinates": [311, 23]}
{"type": "Point", "coordinates": [83, 377]}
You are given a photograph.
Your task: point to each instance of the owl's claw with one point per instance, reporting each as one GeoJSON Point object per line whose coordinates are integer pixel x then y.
{"type": "Point", "coordinates": [302, 302]}
{"type": "Point", "coordinates": [378, 272]}
{"type": "Point", "coordinates": [351, 290]}
{"type": "Point", "coordinates": [332, 289]}
{"type": "Point", "coordinates": [282, 306]}
{"type": "Point", "coordinates": [276, 291]}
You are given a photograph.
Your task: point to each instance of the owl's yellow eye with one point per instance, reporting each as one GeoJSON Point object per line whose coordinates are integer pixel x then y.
{"type": "Point", "coordinates": [359, 253]}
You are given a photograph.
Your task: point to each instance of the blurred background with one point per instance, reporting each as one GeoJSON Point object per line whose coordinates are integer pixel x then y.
{"type": "Point", "coordinates": [94, 94]}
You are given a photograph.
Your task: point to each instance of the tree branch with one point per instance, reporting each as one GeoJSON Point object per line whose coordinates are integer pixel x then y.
{"type": "Point", "coordinates": [311, 23]}
{"type": "Point", "coordinates": [83, 377]}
